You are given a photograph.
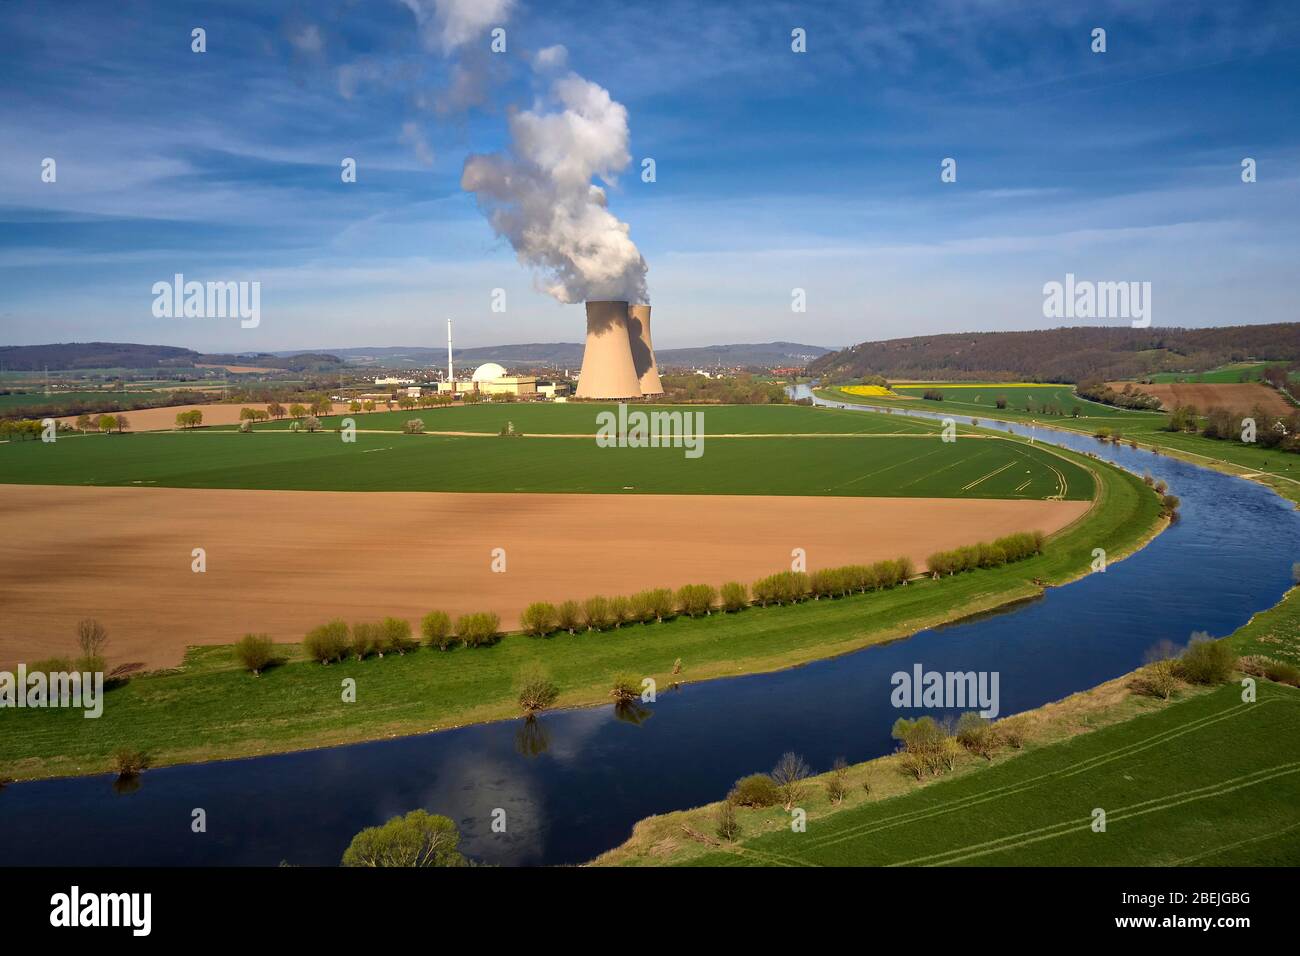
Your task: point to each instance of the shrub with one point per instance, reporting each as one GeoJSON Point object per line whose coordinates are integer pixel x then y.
{"type": "Point", "coordinates": [785, 587]}
{"type": "Point", "coordinates": [128, 762]}
{"type": "Point", "coordinates": [436, 629]}
{"type": "Point", "coordinates": [539, 619]}
{"type": "Point", "coordinates": [643, 607]}
{"type": "Point", "coordinates": [1012, 732]}
{"type": "Point", "coordinates": [395, 635]}
{"type": "Point", "coordinates": [662, 603]}
{"type": "Point", "coordinates": [977, 735]}
{"type": "Point", "coordinates": [756, 790]}
{"type": "Point", "coordinates": [595, 613]}
{"type": "Point", "coordinates": [536, 689]}
{"type": "Point", "coordinates": [694, 600]}
{"type": "Point", "coordinates": [365, 640]}
{"type": "Point", "coordinates": [254, 652]}
{"type": "Point", "coordinates": [1206, 661]}
{"type": "Point", "coordinates": [1169, 505]}
{"type": "Point", "coordinates": [478, 630]}
{"type": "Point", "coordinates": [620, 610]}
{"type": "Point", "coordinates": [328, 642]}
{"type": "Point", "coordinates": [1277, 671]}
{"type": "Point", "coordinates": [789, 774]}
{"type": "Point", "coordinates": [417, 839]}
{"type": "Point", "coordinates": [627, 687]}
{"type": "Point", "coordinates": [1157, 679]}
{"type": "Point", "coordinates": [52, 665]}
{"type": "Point", "coordinates": [735, 596]}
{"type": "Point", "coordinates": [727, 827]}
{"type": "Point", "coordinates": [925, 743]}
{"type": "Point", "coordinates": [569, 616]}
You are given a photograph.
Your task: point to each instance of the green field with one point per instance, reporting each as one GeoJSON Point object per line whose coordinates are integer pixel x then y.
{"type": "Point", "coordinates": [914, 464]}
{"type": "Point", "coordinates": [1236, 372]}
{"type": "Point", "coordinates": [208, 709]}
{"type": "Point", "coordinates": [1206, 781]}
{"type": "Point", "coordinates": [63, 399]}
{"type": "Point", "coordinates": [965, 398]}
{"type": "Point", "coordinates": [580, 418]}
{"type": "Point", "coordinates": [1279, 470]}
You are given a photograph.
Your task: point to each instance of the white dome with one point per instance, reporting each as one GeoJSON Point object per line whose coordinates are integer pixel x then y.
{"type": "Point", "coordinates": [488, 372]}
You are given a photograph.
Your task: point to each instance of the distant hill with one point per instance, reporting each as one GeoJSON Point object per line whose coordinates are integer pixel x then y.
{"type": "Point", "coordinates": [569, 355]}
{"type": "Point", "coordinates": [1061, 355]}
{"type": "Point", "coordinates": [89, 355]}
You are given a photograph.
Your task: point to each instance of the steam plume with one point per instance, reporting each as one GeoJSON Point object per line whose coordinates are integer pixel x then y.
{"type": "Point", "coordinates": [539, 194]}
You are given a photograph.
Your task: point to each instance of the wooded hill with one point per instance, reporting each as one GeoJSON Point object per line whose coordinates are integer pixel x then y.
{"type": "Point", "coordinates": [92, 355]}
{"type": "Point", "coordinates": [1061, 355]}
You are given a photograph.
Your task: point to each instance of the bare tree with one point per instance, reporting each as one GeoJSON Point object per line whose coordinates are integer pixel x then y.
{"type": "Point", "coordinates": [789, 773]}
{"type": "Point", "coordinates": [91, 637]}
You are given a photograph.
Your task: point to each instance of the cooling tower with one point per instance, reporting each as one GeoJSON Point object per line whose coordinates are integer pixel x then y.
{"type": "Point", "coordinates": [643, 350]}
{"type": "Point", "coordinates": [607, 367]}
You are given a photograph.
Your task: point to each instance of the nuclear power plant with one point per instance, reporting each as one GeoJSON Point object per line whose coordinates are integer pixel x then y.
{"type": "Point", "coordinates": [619, 359]}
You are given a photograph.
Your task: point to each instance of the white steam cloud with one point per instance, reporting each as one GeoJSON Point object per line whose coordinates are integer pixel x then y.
{"type": "Point", "coordinates": [539, 194]}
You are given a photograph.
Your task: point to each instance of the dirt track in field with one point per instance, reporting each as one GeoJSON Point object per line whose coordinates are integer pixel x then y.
{"type": "Point", "coordinates": [164, 419]}
{"type": "Point", "coordinates": [1238, 397]}
{"type": "Point", "coordinates": [281, 562]}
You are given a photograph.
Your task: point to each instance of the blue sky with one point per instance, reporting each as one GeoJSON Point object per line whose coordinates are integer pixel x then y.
{"type": "Point", "coordinates": [775, 170]}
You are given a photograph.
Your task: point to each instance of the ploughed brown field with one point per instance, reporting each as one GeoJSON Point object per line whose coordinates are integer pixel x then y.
{"type": "Point", "coordinates": [281, 562]}
{"type": "Point", "coordinates": [163, 419]}
{"type": "Point", "coordinates": [1238, 397]}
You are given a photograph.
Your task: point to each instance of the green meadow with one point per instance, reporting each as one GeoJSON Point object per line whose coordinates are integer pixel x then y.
{"type": "Point", "coordinates": [915, 464]}
{"type": "Point", "coordinates": [1207, 781]}
{"type": "Point", "coordinates": [965, 398]}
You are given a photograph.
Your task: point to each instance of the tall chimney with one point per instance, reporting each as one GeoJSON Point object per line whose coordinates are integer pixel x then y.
{"type": "Point", "coordinates": [451, 372]}
{"type": "Point", "coordinates": [607, 367]}
{"type": "Point", "coordinates": [643, 350]}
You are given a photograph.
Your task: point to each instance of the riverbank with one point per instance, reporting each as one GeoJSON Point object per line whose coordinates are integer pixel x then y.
{"type": "Point", "coordinates": [209, 710]}
{"type": "Point", "coordinates": [1229, 771]}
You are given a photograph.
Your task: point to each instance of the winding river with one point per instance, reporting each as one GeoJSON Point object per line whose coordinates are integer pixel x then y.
{"type": "Point", "coordinates": [573, 783]}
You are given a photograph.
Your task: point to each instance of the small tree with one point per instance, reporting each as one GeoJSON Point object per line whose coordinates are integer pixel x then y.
{"type": "Point", "coordinates": [663, 603]}
{"type": "Point", "coordinates": [92, 638]}
{"type": "Point", "coordinates": [436, 629]}
{"type": "Point", "coordinates": [417, 839]}
{"type": "Point", "coordinates": [254, 652]}
{"type": "Point", "coordinates": [297, 410]}
{"type": "Point", "coordinates": [84, 424]}
{"type": "Point", "coordinates": [789, 774]}
{"type": "Point", "coordinates": [121, 423]}
{"type": "Point", "coordinates": [977, 735]}
{"type": "Point", "coordinates": [311, 423]}
{"type": "Point", "coordinates": [837, 782]}
{"type": "Point", "coordinates": [539, 619]}
{"type": "Point", "coordinates": [537, 691]}
{"type": "Point", "coordinates": [595, 613]}
{"type": "Point", "coordinates": [735, 596]}
{"type": "Point", "coordinates": [695, 600]}
{"type": "Point", "coordinates": [414, 426]}
{"type": "Point", "coordinates": [478, 630]}
{"type": "Point", "coordinates": [328, 642]}
{"type": "Point", "coordinates": [569, 616]}
{"type": "Point", "coordinates": [755, 790]}
{"type": "Point", "coordinates": [395, 635]}
{"type": "Point", "coordinates": [1206, 661]}
{"type": "Point", "coordinates": [727, 826]}
{"type": "Point", "coordinates": [365, 640]}
{"type": "Point", "coordinates": [620, 610]}
{"type": "Point", "coordinates": [626, 688]}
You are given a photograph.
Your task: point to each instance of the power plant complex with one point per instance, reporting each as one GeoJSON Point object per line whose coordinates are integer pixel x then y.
{"type": "Point", "coordinates": [619, 359]}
